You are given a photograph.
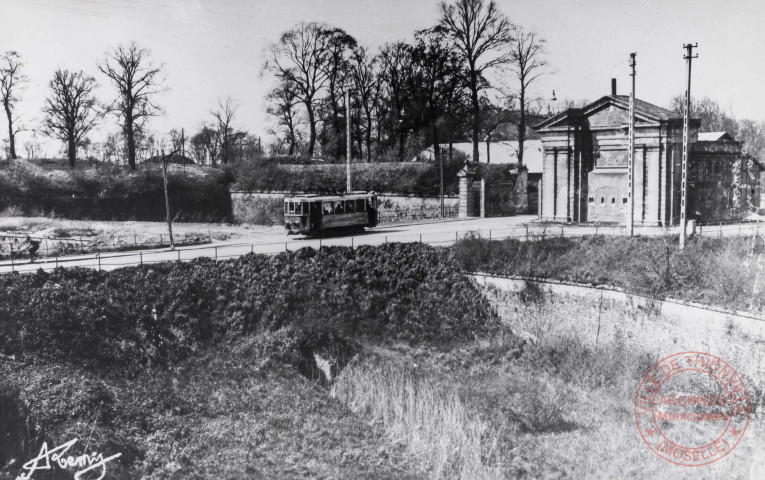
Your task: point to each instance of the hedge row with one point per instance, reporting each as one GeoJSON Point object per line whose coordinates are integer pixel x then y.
{"type": "Point", "coordinates": [395, 178]}
{"type": "Point", "coordinates": [108, 193]}
{"type": "Point", "coordinates": [154, 315]}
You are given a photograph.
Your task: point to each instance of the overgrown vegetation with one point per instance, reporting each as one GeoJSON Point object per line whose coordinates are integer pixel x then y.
{"type": "Point", "coordinates": [714, 271]}
{"type": "Point", "coordinates": [399, 178]}
{"type": "Point", "coordinates": [157, 315]}
{"type": "Point", "coordinates": [204, 369]}
{"type": "Point", "coordinates": [163, 361]}
{"type": "Point", "coordinates": [112, 193]}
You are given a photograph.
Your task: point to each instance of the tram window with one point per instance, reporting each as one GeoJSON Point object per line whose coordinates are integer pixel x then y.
{"type": "Point", "coordinates": [290, 207]}
{"type": "Point", "coordinates": [298, 208]}
{"type": "Point", "coordinates": [286, 206]}
{"type": "Point", "coordinates": [339, 206]}
{"type": "Point", "coordinates": [350, 206]}
{"type": "Point", "coordinates": [371, 202]}
{"type": "Point", "coordinates": [304, 206]}
{"type": "Point", "coordinates": [328, 208]}
{"type": "Point", "coordinates": [360, 204]}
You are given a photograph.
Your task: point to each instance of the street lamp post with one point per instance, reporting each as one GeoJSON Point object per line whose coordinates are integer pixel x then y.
{"type": "Point", "coordinates": [348, 140]}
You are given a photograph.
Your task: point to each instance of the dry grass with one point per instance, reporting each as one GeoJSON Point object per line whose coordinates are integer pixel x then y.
{"type": "Point", "coordinates": [433, 422]}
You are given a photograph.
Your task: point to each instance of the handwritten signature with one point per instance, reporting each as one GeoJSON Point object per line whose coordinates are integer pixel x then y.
{"type": "Point", "coordinates": [58, 456]}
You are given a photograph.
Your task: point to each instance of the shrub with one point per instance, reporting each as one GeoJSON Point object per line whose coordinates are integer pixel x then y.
{"type": "Point", "coordinates": [157, 314]}
{"type": "Point", "coordinates": [111, 193]}
{"type": "Point", "coordinates": [397, 178]}
{"type": "Point", "coordinates": [716, 271]}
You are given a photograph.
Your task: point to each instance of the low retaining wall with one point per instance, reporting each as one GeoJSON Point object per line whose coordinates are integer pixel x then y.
{"type": "Point", "coordinates": [669, 307]}
{"type": "Point", "coordinates": [265, 208]}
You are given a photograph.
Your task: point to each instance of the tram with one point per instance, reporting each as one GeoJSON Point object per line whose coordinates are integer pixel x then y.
{"type": "Point", "coordinates": [326, 214]}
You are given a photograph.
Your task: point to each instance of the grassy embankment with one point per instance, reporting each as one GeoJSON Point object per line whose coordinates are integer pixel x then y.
{"type": "Point", "coordinates": [205, 368]}
{"type": "Point", "coordinates": [714, 271]}
{"type": "Point", "coordinates": [108, 192]}
{"type": "Point", "coordinates": [209, 376]}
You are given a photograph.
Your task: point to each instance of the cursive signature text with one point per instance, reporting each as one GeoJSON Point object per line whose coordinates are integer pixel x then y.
{"type": "Point", "coordinates": [58, 456]}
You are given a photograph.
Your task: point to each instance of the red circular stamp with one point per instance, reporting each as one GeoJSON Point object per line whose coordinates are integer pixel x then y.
{"type": "Point", "coordinates": [692, 408]}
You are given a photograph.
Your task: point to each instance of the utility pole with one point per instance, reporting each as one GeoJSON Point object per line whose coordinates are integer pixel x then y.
{"type": "Point", "coordinates": [348, 140]}
{"type": "Point", "coordinates": [631, 156]}
{"type": "Point", "coordinates": [686, 143]}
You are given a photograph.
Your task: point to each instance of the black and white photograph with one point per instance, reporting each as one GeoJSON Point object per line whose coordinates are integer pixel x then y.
{"type": "Point", "coordinates": [382, 239]}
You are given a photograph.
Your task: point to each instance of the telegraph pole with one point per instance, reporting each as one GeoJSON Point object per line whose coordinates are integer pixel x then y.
{"type": "Point", "coordinates": [689, 56]}
{"type": "Point", "coordinates": [348, 140]}
{"type": "Point", "coordinates": [631, 156]}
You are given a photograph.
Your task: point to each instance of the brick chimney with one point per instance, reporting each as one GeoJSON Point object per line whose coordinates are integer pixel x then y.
{"type": "Point", "coordinates": [613, 86]}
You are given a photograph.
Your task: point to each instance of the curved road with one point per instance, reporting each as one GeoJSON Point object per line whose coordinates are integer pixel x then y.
{"type": "Point", "coordinates": [439, 233]}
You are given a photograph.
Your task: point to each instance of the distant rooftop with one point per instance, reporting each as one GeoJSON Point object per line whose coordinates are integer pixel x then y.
{"type": "Point", "coordinates": [650, 108]}
{"type": "Point", "coordinates": [714, 136]}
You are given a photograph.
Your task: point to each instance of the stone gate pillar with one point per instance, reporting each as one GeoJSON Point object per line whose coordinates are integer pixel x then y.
{"type": "Point", "coordinates": [483, 198]}
{"type": "Point", "coordinates": [466, 176]}
{"type": "Point", "coordinates": [522, 190]}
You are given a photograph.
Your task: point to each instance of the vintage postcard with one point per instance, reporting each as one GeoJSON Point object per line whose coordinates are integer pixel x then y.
{"type": "Point", "coordinates": [416, 239]}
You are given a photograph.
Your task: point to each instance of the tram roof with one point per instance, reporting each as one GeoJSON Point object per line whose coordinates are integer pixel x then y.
{"type": "Point", "coordinates": [314, 197]}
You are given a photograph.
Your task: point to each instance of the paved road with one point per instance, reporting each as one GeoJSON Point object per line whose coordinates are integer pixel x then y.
{"type": "Point", "coordinates": [444, 233]}
{"type": "Point", "coordinates": [440, 233]}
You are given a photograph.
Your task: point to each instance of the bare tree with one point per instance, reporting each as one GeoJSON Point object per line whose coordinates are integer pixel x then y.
{"type": "Point", "coordinates": [205, 145]}
{"type": "Point", "coordinates": [526, 52]}
{"type": "Point", "coordinates": [714, 118]}
{"type": "Point", "coordinates": [282, 106]}
{"type": "Point", "coordinates": [395, 77]}
{"type": "Point", "coordinates": [300, 58]}
{"type": "Point", "coordinates": [11, 81]}
{"type": "Point", "coordinates": [480, 32]}
{"type": "Point", "coordinates": [339, 46]}
{"type": "Point", "coordinates": [71, 110]}
{"type": "Point", "coordinates": [178, 141]}
{"type": "Point", "coordinates": [224, 116]}
{"type": "Point", "coordinates": [165, 161]}
{"type": "Point", "coordinates": [113, 148]}
{"type": "Point", "coordinates": [32, 148]}
{"type": "Point", "coordinates": [138, 82]}
{"type": "Point", "coordinates": [366, 82]}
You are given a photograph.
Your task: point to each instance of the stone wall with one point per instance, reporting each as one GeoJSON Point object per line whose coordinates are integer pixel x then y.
{"type": "Point", "coordinates": [265, 208]}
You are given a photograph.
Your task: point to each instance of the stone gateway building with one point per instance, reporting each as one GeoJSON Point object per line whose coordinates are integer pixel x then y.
{"type": "Point", "coordinates": [585, 153]}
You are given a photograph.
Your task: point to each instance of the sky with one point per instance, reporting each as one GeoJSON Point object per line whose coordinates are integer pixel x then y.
{"type": "Point", "coordinates": [211, 49]}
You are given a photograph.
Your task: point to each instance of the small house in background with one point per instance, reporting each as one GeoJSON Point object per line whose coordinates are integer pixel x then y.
{"type": "Point", "coordinates": [584, 163]}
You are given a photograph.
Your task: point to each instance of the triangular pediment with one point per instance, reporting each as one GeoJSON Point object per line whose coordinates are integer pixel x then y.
{"type": "Point", "coordinates": [611, 110]}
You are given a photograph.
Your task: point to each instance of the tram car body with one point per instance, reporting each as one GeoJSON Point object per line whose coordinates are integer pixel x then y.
{"type": "Point", "coordinates": [326, 214]}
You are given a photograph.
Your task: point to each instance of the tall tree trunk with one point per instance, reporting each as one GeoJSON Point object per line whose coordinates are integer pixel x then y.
{"type": "Point", "coordinates": [522, 126]}
{"type": "Point", "coordinates": [165, 160]}
{"type": "Point", "coordinates": [311, 127]}
{"type": "Point", "coordinates": [11, 136]}
{"type": "Point", "coordinates": [130, 134]}
{"type": "Point", "coordinates": [436, 145]}
{"type": "Point", "coordinates": [224, 156]}
{"type": "Point", "coordinates": [72, 151]}
{"type": "Point", "coordinates": [440, 160]}
{"type": "Point", "coordinates": [476, 114]}
{"type": "Point", "coordinates": [369, 139]}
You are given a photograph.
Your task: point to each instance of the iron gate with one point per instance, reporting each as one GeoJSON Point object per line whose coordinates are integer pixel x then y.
{"type": "Point", "coordinates": [501, 199]}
